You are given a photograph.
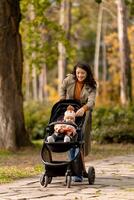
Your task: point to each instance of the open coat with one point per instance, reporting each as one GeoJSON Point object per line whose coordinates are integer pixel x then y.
{"type": "Point", "coordinates": [87, 97]}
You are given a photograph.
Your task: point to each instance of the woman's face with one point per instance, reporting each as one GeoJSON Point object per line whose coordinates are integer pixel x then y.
{"type": "Point", "coordinates": [81, 74]}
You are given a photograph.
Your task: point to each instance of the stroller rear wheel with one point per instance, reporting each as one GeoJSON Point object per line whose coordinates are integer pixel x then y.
{"type": "Point", "coordinates": [91, 175]}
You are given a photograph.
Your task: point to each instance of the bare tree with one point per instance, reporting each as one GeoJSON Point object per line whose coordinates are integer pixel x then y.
{"type": "Point", "coordinates": [12, 129]}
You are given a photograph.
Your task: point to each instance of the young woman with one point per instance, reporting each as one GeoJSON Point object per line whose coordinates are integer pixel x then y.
{"type": "Point", "coordinates": [80, 85]}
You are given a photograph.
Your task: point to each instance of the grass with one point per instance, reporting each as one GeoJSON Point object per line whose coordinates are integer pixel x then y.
{"type": "Point", "coordinates": [27, 161]}
{"type": "Point", "coordinates": [8, 174]}
{"type": "Point", "coordinates": [101, 151]}
{"type": "Point", "coordinates": [24, 163]}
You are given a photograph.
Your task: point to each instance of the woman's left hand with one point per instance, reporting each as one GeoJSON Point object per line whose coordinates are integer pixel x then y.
{"type": "Point", "coordinates": [80, 112]}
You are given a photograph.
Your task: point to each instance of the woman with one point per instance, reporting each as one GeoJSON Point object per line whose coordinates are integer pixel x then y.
{"type": "Point", "coordinates": [80, 85]}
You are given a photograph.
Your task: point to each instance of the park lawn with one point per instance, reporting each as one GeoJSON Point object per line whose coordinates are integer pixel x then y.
{"type": "Point", "coordinates": [27, 161]}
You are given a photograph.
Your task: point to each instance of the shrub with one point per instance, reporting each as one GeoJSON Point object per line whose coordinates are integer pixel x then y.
{"type": "Point", "coordinates": [36, 118]}
{"type": "Point", "coordinates": [113, 125]}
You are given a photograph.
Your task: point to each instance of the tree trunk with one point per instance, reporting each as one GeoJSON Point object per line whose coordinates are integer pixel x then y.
{"type": "Point", "coordinates": [124, 48]}
{"type": "Point", "coordinates": [43, 85]}
{"type": "Point", "coordinates": [97, 46]}
{"type": "Point", "coordinates": [45, 82]}
{"type": "Point", "coordinates": [61, 64]}
{"type": "Point", "coordinates": [65, 22]}
{"type": "Point", "coordinates": [34, 83]}
{"type": "Point", "coordinates": [27, 82]}
{"type": "Point", "coordinates": [104, 58]}
{"type": "Point", "coordinates": [12, 129]}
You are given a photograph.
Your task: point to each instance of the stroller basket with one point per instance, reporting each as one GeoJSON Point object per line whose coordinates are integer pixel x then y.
{"type": "Point", "coordinates": [62, 146]}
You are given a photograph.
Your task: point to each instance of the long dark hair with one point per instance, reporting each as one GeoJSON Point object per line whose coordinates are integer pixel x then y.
{"type": "Point", "coordinates": [89, 79]}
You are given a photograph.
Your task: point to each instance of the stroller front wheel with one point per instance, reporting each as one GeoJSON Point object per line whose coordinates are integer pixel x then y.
{"type": "Point", "coordinates": [68, 181]}
{"type": "Point", "coordinates": [42, 179]}
{"type": "Point", "coordinates": [49, 179]}
{"type": "Point", "coordinates": [45, 180]}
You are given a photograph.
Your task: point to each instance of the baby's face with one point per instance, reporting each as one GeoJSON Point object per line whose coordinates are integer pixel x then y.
{"type": "Point", "coordinates": [69, 119]}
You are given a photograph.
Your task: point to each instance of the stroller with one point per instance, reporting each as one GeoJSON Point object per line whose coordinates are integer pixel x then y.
{"type": "Point", "coordinates": [74, 166]}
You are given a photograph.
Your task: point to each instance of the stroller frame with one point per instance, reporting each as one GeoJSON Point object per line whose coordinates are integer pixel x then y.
{"type": "Point", "coordinates": [75, 166]}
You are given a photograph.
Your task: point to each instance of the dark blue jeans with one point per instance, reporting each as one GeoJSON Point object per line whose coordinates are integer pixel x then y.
{"type": "Point", "coordinates": [72, 154]}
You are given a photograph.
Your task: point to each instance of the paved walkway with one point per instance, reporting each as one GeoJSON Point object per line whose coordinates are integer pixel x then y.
{"type": "Point", "coordinates": [114, 181]}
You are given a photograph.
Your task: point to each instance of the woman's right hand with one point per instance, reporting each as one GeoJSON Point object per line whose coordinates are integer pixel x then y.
{"type": "Point", "coordinates": [80, 112]}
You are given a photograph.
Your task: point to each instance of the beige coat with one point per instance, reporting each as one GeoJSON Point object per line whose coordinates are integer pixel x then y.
{"type": "Point", "coordinates": [87, 97]}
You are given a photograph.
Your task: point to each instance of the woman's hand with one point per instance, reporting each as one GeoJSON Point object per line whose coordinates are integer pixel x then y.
{"type": "Point", "coordinates": [80, 112]}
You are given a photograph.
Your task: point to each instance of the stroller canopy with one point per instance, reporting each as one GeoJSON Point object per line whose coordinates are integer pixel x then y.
{"type": "Point", "coordinates": [58, 110]}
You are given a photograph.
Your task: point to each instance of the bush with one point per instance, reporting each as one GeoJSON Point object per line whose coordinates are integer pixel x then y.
{"type": "Point", "coordinates": [113, 125]}
{"type": "Point", "coordinates": [36, 118]}
{"type": "Point", "coordinates": [108, 124]}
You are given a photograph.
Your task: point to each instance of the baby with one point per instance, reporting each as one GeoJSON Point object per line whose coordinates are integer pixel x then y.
{"type": "Point", "coordinates": [67, 130]}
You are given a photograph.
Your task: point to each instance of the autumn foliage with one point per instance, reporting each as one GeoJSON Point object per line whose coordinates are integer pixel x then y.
{"type": "Point", "coordinates": [109, 90]}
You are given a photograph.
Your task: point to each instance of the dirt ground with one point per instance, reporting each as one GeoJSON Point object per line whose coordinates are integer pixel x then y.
{"type": "Point", "coordinates": [114, 180]}
{"type": "Point", "coordinates": [27, 157]}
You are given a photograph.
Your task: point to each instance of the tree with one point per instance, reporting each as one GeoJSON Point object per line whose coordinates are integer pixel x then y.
{"type": "Point", "coordinates": [40, 20]}
{"type": "Point", "coordinates": [65, 23]}
{"type": "Point", "coordinates": [98, 40]}
{"type": "Point", "coordinates": [12, 129]}
{"type": "Point", "coordinates": [124, 48]}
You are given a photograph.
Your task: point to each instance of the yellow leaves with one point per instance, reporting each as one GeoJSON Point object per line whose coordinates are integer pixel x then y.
{"type": "Point", "coordinates": [52, 94]}
{"type": "Point", "coordinates": [108, 93]}
{"type": "Point", "coordinates": [111, 88]}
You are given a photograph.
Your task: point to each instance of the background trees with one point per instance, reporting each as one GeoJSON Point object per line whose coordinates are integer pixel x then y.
{"type": "Point", "coordinates": [50, 43]}
{"type": "Point", "coordinates": [55, 42]}
{"type": "Point", "coordinates": [61, 44]}
{"type": "Point", "coordinates": [84, 40]}
{"type": "Point", "coordinates": [123, 68]}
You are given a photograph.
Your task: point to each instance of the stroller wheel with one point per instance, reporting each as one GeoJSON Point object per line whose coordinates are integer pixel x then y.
{"type": "Point", "coordinates": [42, 179]}
{"type": "Point", "coordinates": [49, 179]}
{"type": "Point", "coordinates": [45, 180]}
{"type": "Point", "coordinates": [68, 181]}
{"type": "Point", "coordinates": [91, 175]}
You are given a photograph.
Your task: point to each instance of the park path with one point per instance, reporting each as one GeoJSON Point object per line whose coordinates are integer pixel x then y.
{"type": "Point", "coordinates": [114, 181]}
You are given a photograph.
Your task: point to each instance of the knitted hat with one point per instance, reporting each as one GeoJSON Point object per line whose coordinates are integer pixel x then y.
{"type": "Point", "coordinates": [69, 112]}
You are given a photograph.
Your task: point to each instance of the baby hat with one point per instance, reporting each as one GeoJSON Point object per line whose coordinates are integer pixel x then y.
{"type": "Point", "coordinates": [69, 112]}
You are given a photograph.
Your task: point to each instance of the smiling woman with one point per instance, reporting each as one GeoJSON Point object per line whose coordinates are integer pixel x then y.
{"type": "Point", "coordinates": [81, 74]}
{"type": "Point", "coordinates": [80, 85]}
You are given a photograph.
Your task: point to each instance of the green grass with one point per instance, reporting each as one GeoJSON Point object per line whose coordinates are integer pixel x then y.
{"type": "Point", "coordinates": [5, 153]}
{"type": "Point", "coordinates": [23, 163]}
{"type": "Point", "coordinates": [8, 174]}
{"type": "Point", "coordinates": [27, 162]}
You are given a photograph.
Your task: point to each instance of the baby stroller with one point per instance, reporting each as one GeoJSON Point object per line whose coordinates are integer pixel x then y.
{"type": "Point", "coordinates": [74, 166]}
